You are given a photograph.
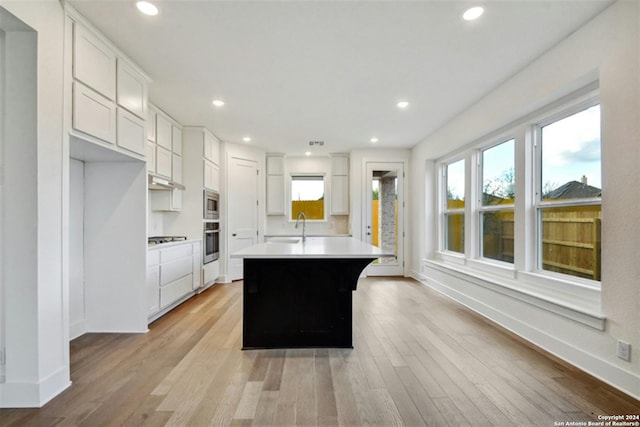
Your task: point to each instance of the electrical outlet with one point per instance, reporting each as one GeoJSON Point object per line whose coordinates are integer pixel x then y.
{"type": "Point", "coordinates": [624, 350]}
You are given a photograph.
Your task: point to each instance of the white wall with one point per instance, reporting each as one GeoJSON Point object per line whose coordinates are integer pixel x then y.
{"type": "Point", "coordinates": [334, 224]}
{"type": "Point", "coordinates": [607, 49]}
{"type": "Point", "coordinates": [36, 296]}
{"type": "Point", "coordinates": [77, 313]}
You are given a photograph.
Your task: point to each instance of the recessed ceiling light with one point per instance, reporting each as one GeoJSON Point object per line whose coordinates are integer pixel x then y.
{"type": "Point", "coordinates": [307, 153]}
{"type": "Point", "coordinates": [374, 139]}
{"type": "Point", "coordinates": [246, 139]}
{"type": "Point", "coordinates": [473, 13]}
{"type": "Point", "coordinates": [218, 102]}
{"type": "Point", "coordinates": [147, 8]}
{"type": "Point", "coordinates": [403, 104]}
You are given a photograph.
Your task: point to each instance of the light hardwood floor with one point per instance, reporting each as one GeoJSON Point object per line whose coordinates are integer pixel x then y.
{"type": "Point", "coordinates": [418, 359]}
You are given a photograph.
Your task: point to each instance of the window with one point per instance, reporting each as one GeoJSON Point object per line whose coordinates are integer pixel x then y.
{"type": "Point", "coordinates": [307, 195]}
{"type": "Point", "coordinates": [497, 197]}
{"type": "Point", "coordinates": [454, 208]}
{"type": "Point", "coordinates": [569, 193]}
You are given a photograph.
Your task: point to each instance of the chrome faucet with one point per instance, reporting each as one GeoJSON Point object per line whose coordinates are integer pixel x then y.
{"type": "Point", "coordinates": [304, 224]}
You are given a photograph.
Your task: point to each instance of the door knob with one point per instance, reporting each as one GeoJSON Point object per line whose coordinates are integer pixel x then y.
{"type": "Point", "coordinates": [234, 234]}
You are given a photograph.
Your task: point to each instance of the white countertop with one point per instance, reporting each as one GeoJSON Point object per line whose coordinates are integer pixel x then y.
{"type": "Point", "coordinates": [313, 247]}
{"type": "Point", "coordinates": [169, 244]}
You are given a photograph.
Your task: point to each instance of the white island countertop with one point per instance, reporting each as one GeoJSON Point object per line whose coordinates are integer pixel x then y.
{"type": "Point", "coordinates": [312, 247]}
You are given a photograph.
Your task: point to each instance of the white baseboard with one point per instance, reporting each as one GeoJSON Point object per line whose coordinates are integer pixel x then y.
{"type": "Point", "coordinates": [34, 395]}
{"type": "Point", "coordinates": [77, 329]}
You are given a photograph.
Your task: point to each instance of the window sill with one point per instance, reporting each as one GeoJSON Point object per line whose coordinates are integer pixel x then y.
{"type": "Point", "coordinates": [575, 301]}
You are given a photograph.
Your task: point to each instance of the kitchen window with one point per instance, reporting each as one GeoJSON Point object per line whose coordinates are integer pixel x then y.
{"type": "Point", "coordinates": [497, 200]}
{"type": "Point", "coordinates": [568, 190]}
{"type": "Point", "coordinates": [307, 195]}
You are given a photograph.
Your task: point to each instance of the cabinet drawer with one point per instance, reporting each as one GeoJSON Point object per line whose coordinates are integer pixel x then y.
{"type": "Point", "coordinates": [175, 290]}
{"type": "Point", "coordinates": [131, 132]}
{"type": "Point", "coordinates": [170, 271]}
{"type": "Point", "coordinates": [93, 114]}
{"type": "Point", "coordinates": [177, 251]}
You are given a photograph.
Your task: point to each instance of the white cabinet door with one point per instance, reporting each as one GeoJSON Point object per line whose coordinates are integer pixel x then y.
{"type": "Point", "coordinates": [339, 195]}
{"type": "Point", "coordinates": [176, 168]}
{"type": "Point", "coordinates": [175, 290]}
{"type": "Point", "coordinates": [153, 289]}
{"type": "Point", "coordinates": [151, 157]}
{"type": "Point", "coordinates": [211, 176]}
{"type": "Point", "coordinates": [94, 63]}
{"type": "Point", "coordinates": [163, 162]}
{"type": "Point", "coordinates": [275, 165]}
{"type": "Point", "coordinates": [163, 132]}
{"type": "Point", "coordinates": [197, 264]}
{"type": "Point", "coordinates": [93, 114]}
{"type": "Point", "coordinates": [275, 195]}
{"type": "Point", "coordinates": [176, 200]}
{"type": "Point", "coordinates": [176, 140]}
{"type": "Point", "coordinates": [211, 149]}
{"type": "Point", "coordinates": [131, 132]}
{"type": "Point", "coordinates": [131, 89]}
{"type": "Point", "coordinates": [151, 125]}
{"type": "Point", "coordinates": [340, 165]}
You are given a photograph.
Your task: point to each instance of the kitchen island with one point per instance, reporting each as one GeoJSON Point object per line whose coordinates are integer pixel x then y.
{"type": "Point", "coordinates": [299, 293]}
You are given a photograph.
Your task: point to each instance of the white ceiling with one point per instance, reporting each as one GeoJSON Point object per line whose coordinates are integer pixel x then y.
{"type": "Point", "coordinates": [291, 72]}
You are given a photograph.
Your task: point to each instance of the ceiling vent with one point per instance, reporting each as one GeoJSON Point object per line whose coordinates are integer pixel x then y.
{"type": "Point", "coordinates": [316, 143]}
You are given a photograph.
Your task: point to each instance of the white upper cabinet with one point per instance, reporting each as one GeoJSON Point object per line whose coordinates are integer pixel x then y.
{"type": "Point", "coordinates": [94, 62]}
{"type": "Point", "coordinates": [176, 140]}
{"type": "Point", "coordinates": [131, 132]}
{"type": "Point", "coordinates": [108, 91]}
{"type": "Point", "coordinates": [275, 184]}
{"type": "Point", "coordinates": [151, 125]}
{"type": "Point", "coordinates": [164, 162]}
{"type": "Point", "coordinates": [131, 89]}
{"type": "Point", "coordinates": [176, 168]}
{"type": "Point", "coordinates": [339, 184]}
{"type": "Point", "coordinates": [93, 113]}
{"type": "Point", "coordinates": [211, 148]}
{"type": "Point", "coordinates": [164, 132]}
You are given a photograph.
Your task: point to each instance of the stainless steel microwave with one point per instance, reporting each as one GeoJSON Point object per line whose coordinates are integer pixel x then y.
{"type": "Point", "coordinates": [211, 205]}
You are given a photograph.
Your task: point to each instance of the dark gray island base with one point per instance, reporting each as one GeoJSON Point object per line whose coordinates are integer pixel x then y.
{"type": "Point", "coordinates": [299, 302]}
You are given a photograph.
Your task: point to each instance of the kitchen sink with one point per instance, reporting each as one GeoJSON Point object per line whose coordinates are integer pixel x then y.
{"type": "Point", "coordinates": [290, 240]}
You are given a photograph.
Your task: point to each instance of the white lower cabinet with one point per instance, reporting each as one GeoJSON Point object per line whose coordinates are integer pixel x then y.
{"type": "Point", "coordinates": [153, 282]}
{"type": "Point", "coordinates": [172, 273]}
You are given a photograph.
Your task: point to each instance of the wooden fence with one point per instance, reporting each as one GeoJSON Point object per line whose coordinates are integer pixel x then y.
{"type": "Point", "coordinates": [313, 209]}
{"type": "Point", "coordinates": [571, 239]}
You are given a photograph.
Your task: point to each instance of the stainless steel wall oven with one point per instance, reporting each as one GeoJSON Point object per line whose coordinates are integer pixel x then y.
{"type": "Point", "coordinates": [211, 241]}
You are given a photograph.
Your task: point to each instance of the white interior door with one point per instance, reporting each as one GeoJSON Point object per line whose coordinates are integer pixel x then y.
{"type": "Point", "coordinates": [243, 210]}
{"type": "Point", "coordinates": [384, 225]}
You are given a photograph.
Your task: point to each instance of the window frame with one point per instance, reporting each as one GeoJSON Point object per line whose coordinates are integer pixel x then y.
{"type": "Point", "coordinates": [538, 205]}
{"type": "Point", "coordinates": [480, 208]}
{"type": "Point", "coordinates": [445, 211]}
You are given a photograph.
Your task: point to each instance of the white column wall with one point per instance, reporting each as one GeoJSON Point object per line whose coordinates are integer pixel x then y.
{"type": "Point", "coordinates": [607, 48]}
{"type": "Point", "coordinates": [36, 319]}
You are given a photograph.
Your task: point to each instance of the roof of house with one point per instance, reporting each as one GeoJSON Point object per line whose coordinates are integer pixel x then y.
{"type": "Point", "coordinates": [574, 190]}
